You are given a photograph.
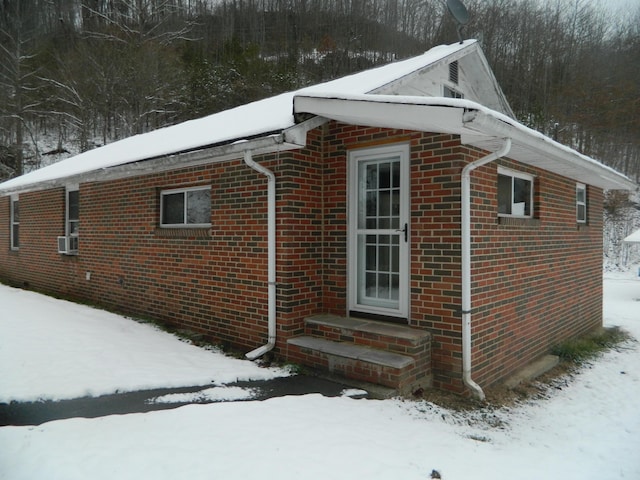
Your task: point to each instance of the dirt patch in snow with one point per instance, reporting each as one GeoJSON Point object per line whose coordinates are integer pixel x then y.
{"type": "Point", "coordinates": [499, 395]}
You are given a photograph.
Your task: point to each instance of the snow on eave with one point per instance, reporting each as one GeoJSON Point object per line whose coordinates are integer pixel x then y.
{"type": "Point", "coordinates": [633, 238]}
{"type": "Point", "coordinates": [373, 80]}
{"type": "Point", "coordinates": [258, 118]}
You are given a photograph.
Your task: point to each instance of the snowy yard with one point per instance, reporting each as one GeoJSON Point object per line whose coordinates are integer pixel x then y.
{"type": "Point", "coordinates": [50, 349]}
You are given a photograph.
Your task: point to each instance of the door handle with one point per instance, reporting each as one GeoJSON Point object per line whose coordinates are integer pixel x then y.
{"type": "Point", "coordinates": [405, 230]}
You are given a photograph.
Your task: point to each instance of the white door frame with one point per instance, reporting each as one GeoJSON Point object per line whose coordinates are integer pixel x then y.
{"type": "Point", "coordinates": [387, 236]}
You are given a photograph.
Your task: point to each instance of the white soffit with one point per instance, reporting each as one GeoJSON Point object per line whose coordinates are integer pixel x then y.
{"type": "Point", "coordinates": [477, 126]}
{"type": "Point", "coordinates": [378, 112]}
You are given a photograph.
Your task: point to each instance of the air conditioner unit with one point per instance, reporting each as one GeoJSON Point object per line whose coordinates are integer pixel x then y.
{"type": "Point", "coordinates": [68, 245]}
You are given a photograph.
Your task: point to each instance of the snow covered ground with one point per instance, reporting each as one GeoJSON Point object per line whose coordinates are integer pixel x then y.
{"type": "Point", "coordinates": [590, 429]}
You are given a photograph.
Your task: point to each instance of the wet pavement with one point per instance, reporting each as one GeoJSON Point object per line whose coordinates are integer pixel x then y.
{"type": "Point", "coordinates": [36, 413]}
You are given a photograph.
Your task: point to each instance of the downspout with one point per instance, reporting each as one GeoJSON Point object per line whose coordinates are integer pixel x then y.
{"type": "Point", "coordinates": [271, 254]}
{"type": "Point", "coordinates": [466, 264]}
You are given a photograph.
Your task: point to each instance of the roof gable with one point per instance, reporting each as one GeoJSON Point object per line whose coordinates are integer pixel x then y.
{"type": "Point", "coordinates": [474, 80]}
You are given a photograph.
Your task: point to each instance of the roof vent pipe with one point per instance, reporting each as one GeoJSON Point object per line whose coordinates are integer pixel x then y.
{"type": "Point", "coordinates": [466, 264]}
{"type": "Point", "coordinates": [271, 253]}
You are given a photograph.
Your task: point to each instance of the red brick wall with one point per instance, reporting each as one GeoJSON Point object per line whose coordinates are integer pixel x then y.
{"type": "Point", "coordinates": [37, 263]}
{"type": "Point", "coordinates": [534, 282]}
{"type": "Point", "coordinates": [211, 281]}
{"type": "Point", "coordinates": [435, 253]}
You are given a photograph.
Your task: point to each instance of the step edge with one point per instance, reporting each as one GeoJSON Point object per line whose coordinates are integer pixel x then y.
{"type": "Point", "coordinates": [361, 353]}
{"type": "Point", "coordinates": [369, 326]}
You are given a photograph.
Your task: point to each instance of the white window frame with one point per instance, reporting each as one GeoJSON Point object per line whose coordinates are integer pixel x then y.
{"type": "Point", "coordinates": [581, 187]}
{"type": "Point", "coordinates": [184, 191]}
{"type": "Point", "coordinates": [451, 92]}
{"type": "Point", "coordinates": [524, 176]}
{"type": "Point", "coordinates": [71, 225]}
{"type": "Point", "coordinates": [15, 236]}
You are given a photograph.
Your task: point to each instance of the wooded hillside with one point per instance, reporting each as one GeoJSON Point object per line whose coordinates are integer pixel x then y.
{"type": "Point", "coordinates": [88, 72]}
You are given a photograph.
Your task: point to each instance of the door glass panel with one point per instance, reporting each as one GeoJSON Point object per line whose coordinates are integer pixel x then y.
{"type": "Point", "coordinates": [372, 205]}
{"type": "Point", "coordinates": [385, 175]}
{"type": "Point", "coordinates": [396, 175]}
{"type": "Point", "coordinates": [395, 287]}
{"type": "Point", "coordinates": [383, 286]}
{"type": "Point", "coordinates": [384, 264]}
{"type": "Point", "coordinates": [371, 260]}
{"type": "Point", "coordinates": [378, 244]}
{"type": "Point", "coordinates": [371, 285]}
{"type": "Point", "coordinates": [372, 176]}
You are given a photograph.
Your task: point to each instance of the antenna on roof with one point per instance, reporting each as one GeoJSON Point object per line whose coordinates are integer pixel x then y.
{"type": "Point", "coordinates": [460, 13]}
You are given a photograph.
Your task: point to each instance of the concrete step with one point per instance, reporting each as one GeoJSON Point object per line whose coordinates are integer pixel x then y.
{"type": "Point", "coordinates": [402, 373]}
{"type": "Point", "coordinates": [352, 351]}
{"type": "Point", "coordinates": [380, 335]}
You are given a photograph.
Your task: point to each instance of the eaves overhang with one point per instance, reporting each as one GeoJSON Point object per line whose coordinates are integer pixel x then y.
{"type": "Point", "coordinates": [291, 138]}
{"type": "Point", "coordinates": [147, 166]}
{"type": "Point", "coordinates": [476, 125]}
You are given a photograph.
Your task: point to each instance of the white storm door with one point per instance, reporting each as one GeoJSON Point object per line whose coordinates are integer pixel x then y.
{"type": "Point", "coordinates": [379, 231]}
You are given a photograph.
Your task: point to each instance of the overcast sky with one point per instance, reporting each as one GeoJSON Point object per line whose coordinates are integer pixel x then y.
{"type": "Point", "coordinates": [618, 4]}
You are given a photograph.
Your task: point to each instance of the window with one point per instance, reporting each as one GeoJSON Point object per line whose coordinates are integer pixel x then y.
{"type": "Point", "coordinates": [73, 212]}
{"type": "Point", "coordinates": [190, 207]}
{"type": "Point", "coordinates": [69, 243]}
{"type": "Point", "coordinates": [515, 193]}
{"type": "Point", "coordinates": [581, 203]}
{"type": "Point", "coordinates": [451, 93]}
{"type": "Point", "coordinates": [15, 223]}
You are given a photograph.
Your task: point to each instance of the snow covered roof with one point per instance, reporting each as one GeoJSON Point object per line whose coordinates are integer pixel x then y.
{"type": "Point", "coordinates": [633, 238]}
{"type": "Point", "coordinates": [256, 126]}
{"type": "Point", "coordinates": [262, 117]}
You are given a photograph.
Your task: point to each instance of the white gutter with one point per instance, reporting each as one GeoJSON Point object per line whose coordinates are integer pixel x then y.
{"type": "Point", "coordinates": [466, 264]}
{"type": "Point", "coordinates": [271, 253]}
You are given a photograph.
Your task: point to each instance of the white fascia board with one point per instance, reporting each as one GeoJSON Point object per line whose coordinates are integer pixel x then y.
{"type": "Point", "coordinates": [228, 152]}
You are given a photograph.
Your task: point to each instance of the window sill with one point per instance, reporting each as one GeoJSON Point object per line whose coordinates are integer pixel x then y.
{"type": "Point", "coordinates": [182, 232]}
{"type": "Point", "coordinates": [519, 221]}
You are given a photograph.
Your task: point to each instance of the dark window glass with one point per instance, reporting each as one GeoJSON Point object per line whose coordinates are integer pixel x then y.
{"type": "Point", "coordinates": [504, 194]}
{"type": "Point", "coordinates": [173, 208]}
{"type": "Point", "coordinates": [74, 205]}
{"type": "Point", "coordinates": [15, 224]}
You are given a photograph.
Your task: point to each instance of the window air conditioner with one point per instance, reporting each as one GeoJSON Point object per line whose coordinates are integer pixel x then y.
{"type": "Point", "coordinates": [68, 245]}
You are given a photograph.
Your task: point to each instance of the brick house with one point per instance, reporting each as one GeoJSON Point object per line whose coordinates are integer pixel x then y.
{"type": "Point", "coordinates": [397, 226]}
